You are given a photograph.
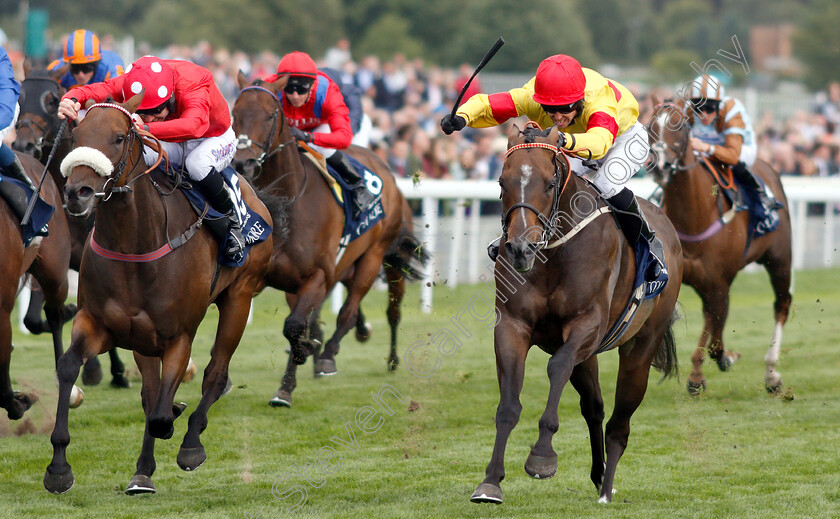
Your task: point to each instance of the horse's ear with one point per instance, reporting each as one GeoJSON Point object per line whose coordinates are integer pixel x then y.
{"type": "Point", "coordinates": [132, 104]}
{"type": "Point", "coordinates": [89, 103]}
{"type": "Point", "coordinates": [57, 74]}
{"type": "Point", "coordinates": [242, 80]}
{"type": "Point", "coordinates": [553, 134]}
{"type": "Point", "coordinates": [50, 103]}
{"type": "Point", "coordinates": [655, 100]}
{"type": "Point", "coordinates": [27, 67]}
{"type": "Point", "coordinates": [513, 133]}
{"type": "Point", "coordinates": [278, 85]}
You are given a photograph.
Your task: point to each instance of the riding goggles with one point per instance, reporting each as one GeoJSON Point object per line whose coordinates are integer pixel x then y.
{"type": "Point", "coordinates": [298, 87]}
{"type": "Point", "coordinates": [154, 111]}
{"type": "Point", "coordinates": [563, 109]}
{"type": "Point", "coordinates": [709, 106]}
{"type": "Point", "coordinates": [82, 68]}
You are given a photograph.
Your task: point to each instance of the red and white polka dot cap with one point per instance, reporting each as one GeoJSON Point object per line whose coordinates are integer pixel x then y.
{"type": "Point", "coordinates": [152, 74]}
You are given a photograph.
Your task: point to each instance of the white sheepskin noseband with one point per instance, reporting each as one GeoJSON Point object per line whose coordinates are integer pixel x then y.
{"type": "Point", "coordinates": [85, 156]}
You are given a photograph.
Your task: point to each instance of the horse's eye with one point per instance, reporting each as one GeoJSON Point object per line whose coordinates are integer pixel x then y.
{"type": "Point", "coordinates": [119, 138]}
{"type": "Point", "coordinates": [551, 185]}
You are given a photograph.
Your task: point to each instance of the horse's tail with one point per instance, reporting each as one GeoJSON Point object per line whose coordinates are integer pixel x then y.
{"type": "Point", "coordinates": [406, 253]}
{"type": "Point", "coordinates": [278, 208]}
{"type": "Point", "coordinates": [666, 356]}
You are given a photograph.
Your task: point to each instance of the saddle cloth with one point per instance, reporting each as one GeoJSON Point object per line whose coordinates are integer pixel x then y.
{"type": "Point", "coordinates": [744, 198]}
{"type": "Point", "coordinates": [12, 191]}
{"type": "Point", "coordinates": [254, 228]}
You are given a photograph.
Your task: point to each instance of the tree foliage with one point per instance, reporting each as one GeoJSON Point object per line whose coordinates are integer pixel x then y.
{"type": "Point", "coordinates": [817, 42]}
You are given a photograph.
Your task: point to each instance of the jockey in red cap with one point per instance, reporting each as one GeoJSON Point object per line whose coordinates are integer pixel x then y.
{"type": "Point", "coordinates": [183, 107]}
{"type": "Point", "coordinates": [599, 119]}
{"type": "Point", "coordinates": [316, 111]}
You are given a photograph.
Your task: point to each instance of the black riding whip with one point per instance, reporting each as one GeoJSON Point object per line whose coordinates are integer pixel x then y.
{"type": "Point", "coordinates": [490, 54]}
{"type": "Point", "coordinates": [37, 193]}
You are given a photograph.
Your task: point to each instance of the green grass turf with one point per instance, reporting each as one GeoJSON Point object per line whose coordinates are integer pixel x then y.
{"type": "Point", "coordinates": [733, 452]}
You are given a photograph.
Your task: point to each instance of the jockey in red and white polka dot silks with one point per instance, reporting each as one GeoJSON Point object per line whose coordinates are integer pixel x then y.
{"type": "Point", "coordinates": [183, 107]}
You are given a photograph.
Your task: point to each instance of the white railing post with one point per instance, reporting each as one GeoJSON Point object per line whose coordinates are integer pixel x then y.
{"type": "Point", "coordinates": [475, 252]}
{"type": "Point", "coordinates": [457, 243]}
{"type": "Point", "coordinates": [828, 235]}
{"type": "Point", "coordinates": [430, 230]}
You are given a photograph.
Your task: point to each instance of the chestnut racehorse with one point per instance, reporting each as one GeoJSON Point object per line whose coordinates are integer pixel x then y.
{"type": "Point", "coordinates": [308, 260]}
{"type": "Point", "coordinates": [47, 259]}
{"type": "Point", "coordinates": [716, 241]}
{"type": "Point", "coordinates": [36, 134]}
{"type": "Point", "coordinates": [567, 303]}
{"type": "Point", "coordinates": [147, 285]}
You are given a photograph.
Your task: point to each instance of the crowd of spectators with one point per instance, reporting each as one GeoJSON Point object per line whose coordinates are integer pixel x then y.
{"type": "Point", "coordinates": [406, 98]}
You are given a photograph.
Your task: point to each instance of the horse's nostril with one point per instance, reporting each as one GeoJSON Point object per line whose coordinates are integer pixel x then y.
{"type": "Point", "coordinates": [84, 192]}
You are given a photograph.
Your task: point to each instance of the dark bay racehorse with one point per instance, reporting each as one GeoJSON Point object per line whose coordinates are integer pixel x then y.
{"type": "Point", "coordinates": [151, 305]}
{"type": "Point", "coordinates": [572, 272]}
{"type": "Point", "coordinates": [716, 241]}
{"type": "Point", "coordinates": [36, 133]}
{"type": "Point", "coordinates": [307, 260]}
{"type": "Point", "coordinates": [47, 259]}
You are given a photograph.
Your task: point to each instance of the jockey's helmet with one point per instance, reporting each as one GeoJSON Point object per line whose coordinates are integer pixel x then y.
{"type": "Point", "coordinates": [560, 81]}
{"type": "Point", "coordinates": [706, 88]}
{"type": "Point", "coordinates": [82, 47]}
{"type": "Point", "coordinates": [297, 64]}
{"type": "Point", "coordinates": [153, 75]}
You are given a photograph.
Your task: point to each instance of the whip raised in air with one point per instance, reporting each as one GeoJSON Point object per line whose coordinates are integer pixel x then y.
{"type": "Point", "coordinates": [487, 57]}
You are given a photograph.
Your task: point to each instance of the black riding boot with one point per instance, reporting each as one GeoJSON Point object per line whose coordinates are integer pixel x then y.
{"type": "Point", "coordinates": [16, 171]}
{"type": "Point", "coordinates": [493, 248]}
{"type": "Point", "coordinates": [213, 187]}
{"type": "Point", "coordinates": [634, 224]}
{"type": "Point", "coordinates": [363, 197]}
{"type": "Point", "coordinates": [748, 180]}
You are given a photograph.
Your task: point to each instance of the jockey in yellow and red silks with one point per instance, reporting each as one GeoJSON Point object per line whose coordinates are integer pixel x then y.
{"type": "Point", "coordinates": [598, 119]}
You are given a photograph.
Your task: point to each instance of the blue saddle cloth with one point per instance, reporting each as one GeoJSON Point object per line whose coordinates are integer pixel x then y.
{"type": "Point", "coordinates": [357, 225]}
{"type": "Point", "coordinates": [761, 220]}
{"type": "Point", "coordinates": [254, 228]}
{"type": "Point", "coordinates": [41, 213]}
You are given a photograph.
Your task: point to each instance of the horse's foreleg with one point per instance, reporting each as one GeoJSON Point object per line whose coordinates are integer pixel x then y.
{"type": "Point", "coordinates": [396, 291]}
{"type": "Point", "coordinates": [233, 316]}
{"type": "Point", "coordinates": [511, 344]}
{"type": "Point", "coordinates": [141, 482]}
{"type": "Point", "coordinates": [367, 269]}
{"type": "Point", "coordinates": [88, 340]}
{"type": "Point", "coordinates": [175, 359]}
{"type": "Point", "coordinates": [585, 381]}
{"type": "Point", "coordinates": [718, 310]}
{"type": "Point", "coordinates": [32, 320]}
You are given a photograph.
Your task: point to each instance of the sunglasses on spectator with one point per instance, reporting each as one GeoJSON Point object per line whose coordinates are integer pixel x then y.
{"type": "Point", "coordinates": [297, 88]}
{"type": "Point", "coordinates": [153, 111]}
{"type": "Point", "coordinates": [563, 109]}
{"type": "Point", "coordinates": [84, 68]}
{"type": "Point", "coordinates": [705, 105]}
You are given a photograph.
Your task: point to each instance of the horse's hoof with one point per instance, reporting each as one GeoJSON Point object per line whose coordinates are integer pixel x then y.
{"type": "Point", "coordinates": [77, 396]}
{"type": "Point", "coordinates": [487, 493]}
{"type": "Point", "coordinates": [69, 312]}
{"type": "Point", "coordinates": [59, 483]}
{"type": "Point", "coordinates": [190, 372]}
{"type": "Point", "coordinates": [36, 326]}
{"type": "Point", "coordinates": [541, 467]}
{"type": "Point", "coordinates": [363, 332]}
{"type": "Point", "coordinates": [325, 368]}
{"type": "Point", "coordinates": [228, 387]}
{"type": "Point", "coordinates": [162, 429]}
{"type": "Point", "coordinates": [393, 363]}
{"type": "Point", "coordinates": [178, 408]}
{"type": "Point", "coordinates": [120, 381]}
{"type": "Point", "coordinates": [21, 402]}
{"type": "Point", "coordinates": [92, 373]}
{"type": "Point", "coordinates": [774, 388]}
{"type": "Point", "coordinates": [140, 484]}
{"type": "Point", "coordinates": [190, 458]}
{"type": "Point", "coordinates": [696, 388]}
{"type": "Point", "coordinates": [727, 359]}
{"type": "Point", "coordinates": [282, 398]}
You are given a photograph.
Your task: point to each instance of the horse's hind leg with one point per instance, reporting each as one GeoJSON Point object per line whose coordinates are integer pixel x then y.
{"type": "Point", "coordinates": [367, 269]}
{"type": "Point", "coordinates": [88, 341]}
{"type": "Point", "coordinates": [585, 381]}
{"type": "Point", "coordinates": [233, 316]}
{"type": "Point", "coordinates": [779, 270]}
{"type": "Point", "coordinates": [396, 291]}
{"type": "Point", "coordinates": [32, 320]}
{"type": "Point", "coordinates": [118, 378]}
{"type": "Point", "coordinates": [542, 461]}
{"type": "Point", "coordinates": [141, 481]}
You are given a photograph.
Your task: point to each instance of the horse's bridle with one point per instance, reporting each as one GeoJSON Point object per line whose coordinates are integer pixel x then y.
{"type": "Point", "coordinates": [40, 141]}
{"type": "Point", "coordinates": [245, 142]}
{"type": "Point", "coordinates": [660, 146]}
{"type": "Point", "coordinates": [547, 222]}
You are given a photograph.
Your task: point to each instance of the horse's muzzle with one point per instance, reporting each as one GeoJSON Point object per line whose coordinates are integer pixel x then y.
{"type": "Point", "coordinates": [521, 253]}
{"type": "Point", "coordinates": [79, 200]}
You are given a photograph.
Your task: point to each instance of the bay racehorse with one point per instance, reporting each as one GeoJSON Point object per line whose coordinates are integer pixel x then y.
{"type": "Point", "coordinates": [717, 241]}
{"type": "Point", "coordinates": [47, 259]}
{"type": "Point", "coordinates": [147, 285]}
{"type": "Point", "coordinates": [308, 259]}
{"type": "Point", "coordinates": [37, 134]}
{"type": "Point", "coordinates": [563, 279]}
